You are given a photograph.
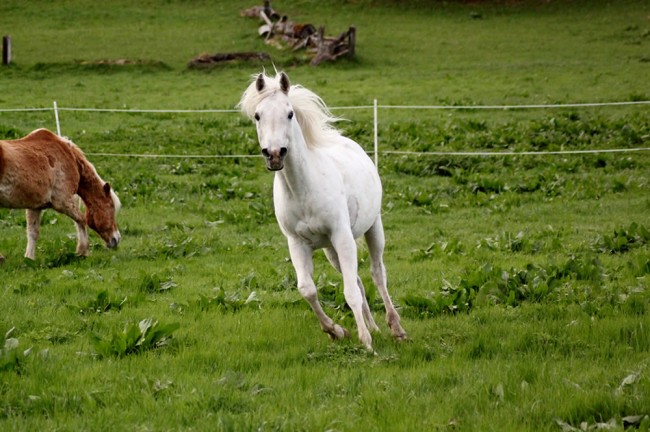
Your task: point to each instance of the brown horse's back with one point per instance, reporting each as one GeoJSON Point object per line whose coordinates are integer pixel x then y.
{"type": "Point", "coordinates": [35, 168]}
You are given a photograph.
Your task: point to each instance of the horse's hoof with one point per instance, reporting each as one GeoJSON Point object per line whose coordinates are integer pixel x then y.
{"type": "Point", "coordinates": [369, 349]}
{"type": "Point", "coordinates": [2, 259]}
{"type": "Point", "coordinates": [337, 332]}
{"type": "Point", "coordinates": [401, 337]}
{"type": "Point", "coordinates": [374, 328]}
{"type": "Point", "coordinates": [399, 333]}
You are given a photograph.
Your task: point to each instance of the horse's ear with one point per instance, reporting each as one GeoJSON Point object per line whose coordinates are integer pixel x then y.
{"type": "Point", "coordinates": [259, 82]}
{"type": "Point", "coordinates": [284, 83]}
{"type": "Point", "coordinates": [107, 188]}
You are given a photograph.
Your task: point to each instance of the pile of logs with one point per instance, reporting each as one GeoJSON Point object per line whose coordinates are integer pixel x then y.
{"type": "Point", "coordinates": [302, 35]}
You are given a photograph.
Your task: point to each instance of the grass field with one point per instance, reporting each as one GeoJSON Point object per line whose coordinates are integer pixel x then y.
{"type": "Point", "coordinates": [522, 280]}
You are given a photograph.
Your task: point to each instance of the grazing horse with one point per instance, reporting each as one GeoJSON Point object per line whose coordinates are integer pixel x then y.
{"type": "Point", "coordinates": [43, 171]}
{"type": "Point", "coordinates": [326, 193]}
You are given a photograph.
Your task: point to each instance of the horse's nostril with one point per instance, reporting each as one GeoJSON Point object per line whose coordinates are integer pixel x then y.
{"type": "Point", "coordinates": [265, 152]}
{"type": "Point", "coordinates": [283, 152]}
{"type": "Point", "coordinates": [114, 241]}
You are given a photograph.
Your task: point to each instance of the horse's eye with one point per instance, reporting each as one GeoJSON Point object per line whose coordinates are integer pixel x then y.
{"type": "Point", "coordinates": [257, 117]}
{"type": "Point", "coordinates": [290, 115]}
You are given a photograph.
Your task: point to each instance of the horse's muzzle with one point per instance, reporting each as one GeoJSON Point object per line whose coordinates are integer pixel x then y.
{"type": "Point", "coordinates": [275, 158]}
{"type": "Point", "coordinates": [114, 240]}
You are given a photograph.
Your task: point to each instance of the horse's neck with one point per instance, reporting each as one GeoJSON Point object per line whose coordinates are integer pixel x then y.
{"type": "Point", "coordinates": [89, 183]}
{"type": "Point", "coordinates": [300, 172]}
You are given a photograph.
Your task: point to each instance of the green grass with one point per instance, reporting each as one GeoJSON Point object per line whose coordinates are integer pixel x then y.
{"type": "Point", "coordinates": [522, 280]}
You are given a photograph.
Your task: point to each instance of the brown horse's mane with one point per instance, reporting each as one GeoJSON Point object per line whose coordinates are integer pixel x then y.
{"type": "Point", "coordinates": [87, 172]}
{"type": "Point", "coordinates": [89, 179]}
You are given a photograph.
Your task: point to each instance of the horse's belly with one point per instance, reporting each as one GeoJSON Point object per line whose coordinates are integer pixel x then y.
{"type": "Point", "coordinates": [11, 197]}
{"type": "Point", "coordinates": [24, 191]}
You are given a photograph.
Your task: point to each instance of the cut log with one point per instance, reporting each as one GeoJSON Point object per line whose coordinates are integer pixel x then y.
{"type": "Point", "coordinates": [206, 60]}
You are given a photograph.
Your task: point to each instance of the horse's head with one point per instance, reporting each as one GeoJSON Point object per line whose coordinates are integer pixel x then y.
{"type": "Point", "coordinates": [101, 215]}
{"type": "Point", "coordinates": [274, 117]}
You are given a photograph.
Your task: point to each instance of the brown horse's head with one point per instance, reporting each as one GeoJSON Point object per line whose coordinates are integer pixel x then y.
{"type": "Point", "coordinates": [101, 216]}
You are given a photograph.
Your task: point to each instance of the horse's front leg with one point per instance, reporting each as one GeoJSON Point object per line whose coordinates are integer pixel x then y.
{"type": "Point", "coordinates": [301, 257]}
{"type": "Point", "coordinates": [33, 230]}
{"type": "Point", "coordinates": [333, 258]}
{"type": "Point", "coordinates": [346, 249]}
{"type": "Point", "coordinates": [70, 208]}
{"type": "Point", "coordinates": [82, 238]}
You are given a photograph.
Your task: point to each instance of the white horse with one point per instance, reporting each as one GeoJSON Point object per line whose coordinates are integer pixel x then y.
{"type": "Point", "coordinates": [326, 193]}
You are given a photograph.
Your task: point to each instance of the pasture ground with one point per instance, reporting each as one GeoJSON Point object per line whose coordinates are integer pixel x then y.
{"type": "Point", "coordinates": [522, 280]}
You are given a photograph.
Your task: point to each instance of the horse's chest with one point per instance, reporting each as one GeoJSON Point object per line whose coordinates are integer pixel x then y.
{"type": "Point", "coordinates": [309, 225]}
{"type": "Point", "coordinates": [315, 236]}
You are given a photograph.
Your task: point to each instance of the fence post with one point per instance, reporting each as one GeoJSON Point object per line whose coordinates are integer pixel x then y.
{"type": "Point", "coordinates": [56, 117]}
{"type": "Point", "coordinates": [6, 50]}
{"type": "Point", "coordinates": [375, 133]}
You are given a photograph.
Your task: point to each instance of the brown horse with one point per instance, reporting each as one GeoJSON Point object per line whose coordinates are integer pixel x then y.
{"type": "Point", "coordinates": [43, 171]}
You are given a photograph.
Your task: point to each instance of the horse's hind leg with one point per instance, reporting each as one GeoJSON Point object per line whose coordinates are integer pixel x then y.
{"type": "Point", "coordinates": [376, 241]}
{"type": "Point", "coordinates": [33, 218]}
{"type": "Point", "coordinates": [333, 258]}
{"type": "Point", "coordinates": [301, 257]}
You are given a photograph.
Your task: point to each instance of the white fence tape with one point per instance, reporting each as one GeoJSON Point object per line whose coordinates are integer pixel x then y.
{"type": "Point", "coordinates": [375, 108]}
{"type": "Point", "coordinates": [356, 107]}
{"type": "Point", "coordinates": [523, 153]}
{"type": "Point", "coordinates": [512, 107]}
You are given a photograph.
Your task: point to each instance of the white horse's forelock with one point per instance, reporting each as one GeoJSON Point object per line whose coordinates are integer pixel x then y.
{"type": "Point", "coordinates": [252, 97]}
{"type": "Point", "coordinates": [314, 117]}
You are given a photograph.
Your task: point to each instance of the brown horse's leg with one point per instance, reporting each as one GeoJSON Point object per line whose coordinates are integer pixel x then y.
{"type": "Point", "coordinates": [33, 229]}
{"type": "Point", "coordinates": [82, 239]}
{"type": "Point", "coordinates": [71, 208]}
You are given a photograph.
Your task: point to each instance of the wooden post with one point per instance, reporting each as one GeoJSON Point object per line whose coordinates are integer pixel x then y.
{"type": "Point", "coordinates": [6, 50]}
{"type": "Point", "coordinates": [352, 40]}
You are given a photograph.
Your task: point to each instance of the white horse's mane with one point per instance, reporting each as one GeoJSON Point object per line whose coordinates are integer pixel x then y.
{"type": "Point", "coordinates": [314, 117]}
